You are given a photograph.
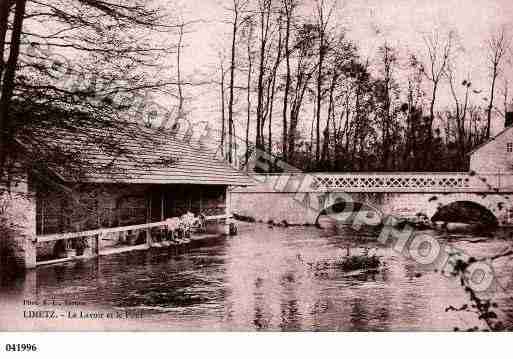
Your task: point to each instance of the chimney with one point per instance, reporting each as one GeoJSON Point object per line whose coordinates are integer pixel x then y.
{"type": "Point", "coordinates": [509, 116]}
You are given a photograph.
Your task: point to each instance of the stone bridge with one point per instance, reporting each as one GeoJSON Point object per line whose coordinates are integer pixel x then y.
{"type": "Point", "coordinates": [300, 198]}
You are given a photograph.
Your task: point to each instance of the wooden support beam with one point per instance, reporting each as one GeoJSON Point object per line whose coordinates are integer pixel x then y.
{"type": "Point", "coordinates": [201, 200]}
{"type": "Point", "coordinates": [227, 211]}
{"type": "Point", "coordinates": [162, 204]}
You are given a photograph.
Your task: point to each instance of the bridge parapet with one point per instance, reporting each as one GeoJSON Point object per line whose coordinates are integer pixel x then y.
{"type": "Point", "coordinates": [399, 182]}
{"type": "Point", "coordinates": [412, 182]}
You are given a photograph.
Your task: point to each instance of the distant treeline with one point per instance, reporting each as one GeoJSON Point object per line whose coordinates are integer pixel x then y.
{"type": "Point", "coordinates": [302, 91]}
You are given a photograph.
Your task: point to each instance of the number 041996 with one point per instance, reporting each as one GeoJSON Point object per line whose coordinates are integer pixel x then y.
{"type": "Point", "coordinates": [21, 348]}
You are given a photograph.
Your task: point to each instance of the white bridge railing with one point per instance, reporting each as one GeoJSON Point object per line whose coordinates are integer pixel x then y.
{"type": "Point", "coordinates": [412, 182]}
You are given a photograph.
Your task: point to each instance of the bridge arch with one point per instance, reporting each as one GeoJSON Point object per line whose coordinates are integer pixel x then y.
{"type": "Point", "coordinates": [432, 203]}
{"type": "Point", "coordinates": [466, 212]}
{"type": "Point", "coordinates": [348, 211]}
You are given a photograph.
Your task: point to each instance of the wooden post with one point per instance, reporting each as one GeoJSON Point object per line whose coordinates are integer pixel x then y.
{"type": "Point", "coordinates": [97, 242]}
{"type": "Point", "coordinates": [148, 220]}
{"type": "Point", "coordinates": [227, 198]}
{"type": "Point", "coordinates": [163, 232]}
{"type": "Point", "coordinates": [162, 203]}
{"type": "Point", "coordinates": [42, 215]}
{"type": "Point", "coordinates": [200, 200]}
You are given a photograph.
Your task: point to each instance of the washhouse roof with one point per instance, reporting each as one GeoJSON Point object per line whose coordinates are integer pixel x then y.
{"type": "Point", "coordinates": [128, 154]}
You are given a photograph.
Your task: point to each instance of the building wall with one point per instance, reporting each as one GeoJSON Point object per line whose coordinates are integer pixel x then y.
{"type": "Point", "coordinates": [493, 156]}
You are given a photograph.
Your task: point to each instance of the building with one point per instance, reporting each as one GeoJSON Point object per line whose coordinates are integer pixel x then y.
{"type": "Point", "coordinates": [123, 187]}
{"type": "Point", "coordinates": [495, 156]}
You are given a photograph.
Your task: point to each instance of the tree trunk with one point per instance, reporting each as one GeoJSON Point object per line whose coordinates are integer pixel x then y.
{"type": "Point", "coordinates": [223, 118]}
{"type": "Point", "coordinates": [326, 139]}
{"type": "Point", "coordinates": [319, 96]}
{"type": "Point", "coordinates": [7, 125]}
{"type": "Point", "coordinates": [273, 86]}
{"type": "Point", "coordinates": [264, 28]}
{"type": "Point", "coordinates": [4, 17]}
{"type": "Point", "coordinates": [490, 104]}
{"type": "Point", "coordinates": [287, 83]}
{"type": "Point", "coordinates": [250, 69]}
{"type": "Point", "coordinates": [232, 80]}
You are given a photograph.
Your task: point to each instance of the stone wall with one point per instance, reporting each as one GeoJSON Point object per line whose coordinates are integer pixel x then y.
{"type": "Point", "coordinates": [266, 204]}
{"type": "Point", "coordinates": [18, 232]}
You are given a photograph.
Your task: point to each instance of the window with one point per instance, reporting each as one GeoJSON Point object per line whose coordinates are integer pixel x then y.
{"type": "Point", "coordinates": [509, 147]}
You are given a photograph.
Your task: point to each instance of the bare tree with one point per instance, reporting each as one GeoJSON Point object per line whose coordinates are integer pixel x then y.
{"type": "Point", "coordinates": [305, 68]}
{"type": "Point", "coordinates": [181, 98]}
{"type": "Point", "coordinates": [288, 7]}
{"type": "Point", "coordinates": [237, 9]}
{"type": "Point", "coordinates": [439, 52]}
{"type": "Point", "coordinates": [323, 19]}
{"type": "Point", "coordinates": [388, 59]}
{"type": "Point", "coordinates": [505, 98]}
{"type": "Point", "coordinates": [498, 45]}
{"type": "Point", "coordinates": [272, 84]}
{"type": "Point", "coordinates": [460, 108]}
{"type": "Point", "coordinates": [250, 26]}
{"type": "Point", "coordinates": [223, 102]}
{"type": "Point", "coordinates": [264, 14]}
{"type": "Point", "coordinates": [412, 111]}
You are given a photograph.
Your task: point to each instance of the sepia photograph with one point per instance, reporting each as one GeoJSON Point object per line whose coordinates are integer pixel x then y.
{"type": "Point", "coordinates": [255, 166]}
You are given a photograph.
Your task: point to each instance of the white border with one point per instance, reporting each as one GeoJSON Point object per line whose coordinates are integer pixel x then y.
{"type": "Point", "coordinates": [259, 345]}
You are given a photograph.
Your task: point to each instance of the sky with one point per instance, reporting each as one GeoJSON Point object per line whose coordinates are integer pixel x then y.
{"type": "Point", "coordinates": [401, 23]}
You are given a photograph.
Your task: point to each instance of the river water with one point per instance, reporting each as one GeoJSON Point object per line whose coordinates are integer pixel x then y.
{"type": "Point", "coordinates": [258, 280]}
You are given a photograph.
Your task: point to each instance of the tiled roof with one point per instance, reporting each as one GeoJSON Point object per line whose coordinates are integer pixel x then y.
{"type": "Point", "coordinates": [138, 155]}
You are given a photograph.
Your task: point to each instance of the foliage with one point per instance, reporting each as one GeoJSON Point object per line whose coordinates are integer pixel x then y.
{"type": "Point", "coordinates": [363, 261]}
{"type": "Point", "coordinates": [485, 309]}
{"type": "Point", "coordinates": [358, 262]}
{"type": "Point", "coordinates": [81, 66]}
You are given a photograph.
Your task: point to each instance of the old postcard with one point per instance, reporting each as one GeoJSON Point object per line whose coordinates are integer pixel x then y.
{"type": "Point", "coordinates": [256, 165]}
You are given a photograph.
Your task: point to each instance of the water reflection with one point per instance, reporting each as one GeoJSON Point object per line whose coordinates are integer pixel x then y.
{"type": "Point", "coordinates": [255, 281]}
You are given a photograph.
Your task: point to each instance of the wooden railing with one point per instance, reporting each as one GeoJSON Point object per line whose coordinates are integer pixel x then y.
{"type": "Point", "coordinates": [103, 231]}
{"type": "Point", "coordinates": [96, 232]}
